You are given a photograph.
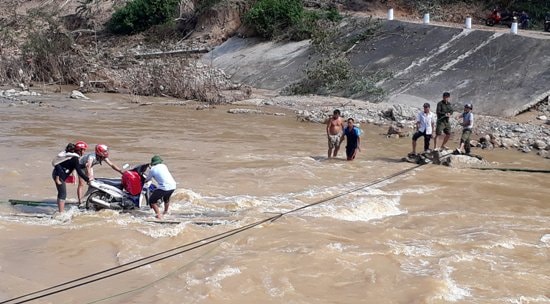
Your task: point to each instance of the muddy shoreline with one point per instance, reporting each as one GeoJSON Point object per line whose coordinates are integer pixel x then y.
{"type": "Point", "coordinates": [528, 132]}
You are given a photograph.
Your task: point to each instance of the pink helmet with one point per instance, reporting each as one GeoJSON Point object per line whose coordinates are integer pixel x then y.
{"type": "Point", "coordinates": [102, 150]}
{"type": "Point", "coordinates": [81, 146]}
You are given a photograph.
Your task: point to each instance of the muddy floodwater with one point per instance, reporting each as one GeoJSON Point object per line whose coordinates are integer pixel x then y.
{"type": "Point", "coordinates": [433, 234]}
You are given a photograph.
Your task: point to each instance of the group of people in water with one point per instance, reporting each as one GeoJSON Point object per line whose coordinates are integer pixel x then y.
{"type": "Point", "coordinates": [73, 158]}
{"type": "Point", "coordinates": [426, 124]}
{"type": "Point", "coordinates": [336, 132]}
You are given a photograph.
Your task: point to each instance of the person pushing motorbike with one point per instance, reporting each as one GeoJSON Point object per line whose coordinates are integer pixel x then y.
{"type": "Point", "coordinates": [91, 159]}
{"type": "Point", "coordinates": [64, 164]}
{"type": "Point", "coordinates": [165, 185]}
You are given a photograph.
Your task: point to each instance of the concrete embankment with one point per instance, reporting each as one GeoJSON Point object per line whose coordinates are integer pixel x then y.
{"type": "Point", "coordinates": [500, 73]}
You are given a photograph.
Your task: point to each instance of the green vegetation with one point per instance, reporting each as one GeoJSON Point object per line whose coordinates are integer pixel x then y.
{"type": "Point", "coordinates": [205, 5]}
{"type": "Point", "coordinates": [332, 71]}
{"type": "Point", "coordinates": [139, 15]}
{"type": "Point", "coordinates": [286, 19]}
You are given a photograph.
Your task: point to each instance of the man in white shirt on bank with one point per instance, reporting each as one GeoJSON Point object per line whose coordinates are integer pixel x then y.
{"type": "Point", "coordinates": [425, 124]}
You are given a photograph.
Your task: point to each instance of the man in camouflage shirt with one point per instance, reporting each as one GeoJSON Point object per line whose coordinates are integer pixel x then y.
{"type": "Point", "coordinates": [444, 110]}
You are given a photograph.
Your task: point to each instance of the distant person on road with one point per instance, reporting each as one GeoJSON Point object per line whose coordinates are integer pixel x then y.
{"type": "Point", "coordinates": [496, 15]}
{"type": "Point", "coordinates": [425, 124]}
{"type": "Point", "coordinates": [444, 110]}
{"type": "Point", "coordinates": [353, 139]}
{"type": "Point", "coordinates": [64, 164]}
{"type": "Point", "coordinates": [91, 159]}
{"type": "Point", "coordinates": [524, 20]}
{"type": "Point", "coordinates": [335, 127]}
{"type": "Point", "coordinates": [165, 185]}
{"type": "Point", "coordinates": [467, 124]}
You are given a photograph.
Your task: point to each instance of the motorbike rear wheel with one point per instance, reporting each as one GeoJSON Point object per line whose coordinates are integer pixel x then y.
{"type": "Point", "coordinates": [91, 205]}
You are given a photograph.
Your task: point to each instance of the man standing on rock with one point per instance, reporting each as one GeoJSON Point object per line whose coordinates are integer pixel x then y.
{"type": "Point", "coordinates": [335, 126]}
{"type": "Point", "coordinates": [444, 110]}
{"type": "Point", "coordinates": [424, 127]}
{"type": "Point", "coordinates": [467, 126]}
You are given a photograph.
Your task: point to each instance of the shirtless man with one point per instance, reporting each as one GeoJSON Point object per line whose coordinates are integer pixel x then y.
{"type": "Point", "coordinates": [335, 126]}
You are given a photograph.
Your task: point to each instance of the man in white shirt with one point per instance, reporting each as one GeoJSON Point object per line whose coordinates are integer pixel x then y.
{"type": "Point", "coordinates": [165, 185]}
{"type": "Point", "coordinates": [425, 124]}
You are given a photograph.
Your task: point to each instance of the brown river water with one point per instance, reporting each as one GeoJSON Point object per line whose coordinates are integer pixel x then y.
{"type": "Point", "coordinates": [431, 235]}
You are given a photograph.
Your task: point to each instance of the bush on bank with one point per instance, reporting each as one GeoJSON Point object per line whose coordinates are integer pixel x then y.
{"type": "Point", "coordinates": [286, 19]}
{"type": "Point", "coordinates": [139, 15]}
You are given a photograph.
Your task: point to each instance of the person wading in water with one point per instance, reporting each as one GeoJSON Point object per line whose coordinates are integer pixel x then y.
{"type": "Point", "coordinates": [335, 126]}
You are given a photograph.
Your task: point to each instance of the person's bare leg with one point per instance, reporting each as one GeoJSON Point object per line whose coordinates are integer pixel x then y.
{"type": "Point", "coordinates": [435, 141]}
{"type": "Point", "coordinates": [329, 152]}
{"type": "Point", "coordinates": [414, 146]}
{"type": "Point", "coordinates": [61, 205]}
{"type": "Point", "coordinates": [460, 147]}
{"type": "Point", "coordinates": [157, 211]}
{"type": "Point", "coordinates": [80, 189]}
{"type": "Point", "coordinates": [445, 139]}
{"type": "Point", "coordinates": [166, 205]}
{"type": "Point", "coordinates": [336, 151]}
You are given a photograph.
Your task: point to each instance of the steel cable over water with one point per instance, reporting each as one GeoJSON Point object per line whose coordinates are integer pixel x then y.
{"type": "Point", "coordinates": [116, 270]}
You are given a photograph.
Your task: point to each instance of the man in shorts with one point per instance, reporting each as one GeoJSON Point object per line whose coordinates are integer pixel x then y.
{"type": "Point", "coordinates": [467, 125]}
{"type": "Point", "coordinates": [335, 126]}
{"type": "Point", "coordinates": [165, 185]}
{"type": "Point", "coordinates": [444, 110]}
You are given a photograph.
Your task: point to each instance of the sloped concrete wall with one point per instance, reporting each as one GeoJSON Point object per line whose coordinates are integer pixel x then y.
{"type": "Point", "coordinates": [261, 64]}
{"type": "Point", "coordinates": [500, 73]}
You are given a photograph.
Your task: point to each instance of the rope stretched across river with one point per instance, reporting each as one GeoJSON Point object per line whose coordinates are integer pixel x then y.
{"type": "Point", "coordinates": [517, 170]}
{"type": "Point", "coordinates": [116, 270]}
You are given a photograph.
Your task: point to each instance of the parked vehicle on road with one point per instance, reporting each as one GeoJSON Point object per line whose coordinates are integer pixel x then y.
{"type": "Point", "coordinates": [503, 18]}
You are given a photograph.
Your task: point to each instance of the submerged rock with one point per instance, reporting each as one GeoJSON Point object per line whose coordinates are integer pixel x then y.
{"type": "Point", "coordinates": [77, 95]}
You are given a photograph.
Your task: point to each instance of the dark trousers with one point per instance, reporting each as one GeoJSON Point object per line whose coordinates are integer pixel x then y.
{"type": "Point", "coordinates": [427, 138]}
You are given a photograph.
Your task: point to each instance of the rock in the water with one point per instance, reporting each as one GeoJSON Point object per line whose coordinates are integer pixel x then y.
{"type": "Point", "coordinates": [464, 161]}
{"type": "Point", "coordinates": [78, 95]}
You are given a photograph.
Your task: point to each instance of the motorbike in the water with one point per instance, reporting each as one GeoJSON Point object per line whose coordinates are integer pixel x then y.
{"type": "Point", "coordinates": [125, 193]}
